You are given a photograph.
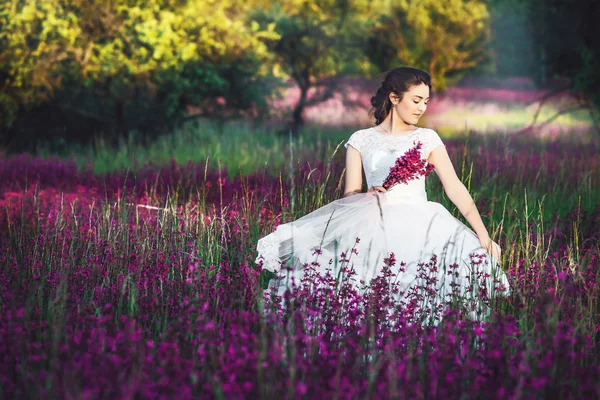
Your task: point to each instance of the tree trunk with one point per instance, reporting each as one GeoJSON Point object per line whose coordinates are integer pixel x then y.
{"type": "Point", "coordinates": [297, 119]}
{"type": "Point", "coordinates": [120, 129]}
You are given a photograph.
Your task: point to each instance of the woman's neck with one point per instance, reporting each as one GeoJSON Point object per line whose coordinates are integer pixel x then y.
{"type": "Point", "coordinates": [397, 127]}
{"type": "Point", "coordinates": [393, 124]}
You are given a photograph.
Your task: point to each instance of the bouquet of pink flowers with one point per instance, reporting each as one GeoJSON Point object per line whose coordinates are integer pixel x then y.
{"type": "Point", "coordinates": [408, 167]}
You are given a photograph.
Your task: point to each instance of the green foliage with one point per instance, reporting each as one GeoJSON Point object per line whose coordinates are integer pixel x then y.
{"type": "Point", "coordinates": [511, 42]}
{"type": "Point", "coordinates": [113, 67]}
{"type": "Point", "coordinates": [318, 41]}
{"type": "Point", "coordinates": [9, 109]}
{"type": "Point", "coordinates": [320, 37]}
{"type": "Point", "coordinates": [444, 38]}
{"type": "Point", "coordinates": [559, 42]}
{"type": "Point", "coordinates": [587, 80]}
{"type": "Point", "coordinates": [588, 77]}
{"type": "Point", "coordinates": [167, 54]}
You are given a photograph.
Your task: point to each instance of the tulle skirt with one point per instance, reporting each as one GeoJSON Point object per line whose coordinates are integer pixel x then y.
{"type": "Point", "coordinates": [363, 230]}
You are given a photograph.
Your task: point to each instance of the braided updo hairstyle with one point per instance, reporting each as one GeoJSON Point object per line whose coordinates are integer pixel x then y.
{"type": "Point", "coordinates": [396, 81]}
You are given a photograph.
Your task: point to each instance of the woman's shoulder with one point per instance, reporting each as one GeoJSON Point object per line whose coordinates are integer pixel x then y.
{"type": "Point", "coordinates": [362, 132]}
{"type": "Point", "coordinates": [431, 139]}
{"type": "Point", "coordinates": [358, 139]}
{"type": "Point", "coordinates": [429, 133]}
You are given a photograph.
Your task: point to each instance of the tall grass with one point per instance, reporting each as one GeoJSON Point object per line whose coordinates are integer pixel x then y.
{"type": "Point", "coordinates": [142, 283]}
{"type": "Point", "coordinates": [237, 146]}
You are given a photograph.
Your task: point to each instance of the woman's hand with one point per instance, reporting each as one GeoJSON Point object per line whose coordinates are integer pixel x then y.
{"type": "Point", "coordinates": [492, 247]}
{"type": "Point", "coordinates": [377, 189]}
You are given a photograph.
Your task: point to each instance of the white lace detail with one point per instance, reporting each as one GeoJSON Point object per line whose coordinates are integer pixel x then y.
{"type": "Point", "coordinates": [379, 152]}
{"type": "Point", "coordinates": [268, 253]}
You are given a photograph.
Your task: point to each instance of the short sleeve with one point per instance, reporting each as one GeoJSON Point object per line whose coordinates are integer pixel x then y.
{"type": "Point", "coordinates": [434, 141]}
{"type": "Point", "coordinates": [355, 141]}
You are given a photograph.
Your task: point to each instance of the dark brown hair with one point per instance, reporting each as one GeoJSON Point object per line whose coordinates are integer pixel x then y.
{"type": "Point", "coordinates": [396, 81]}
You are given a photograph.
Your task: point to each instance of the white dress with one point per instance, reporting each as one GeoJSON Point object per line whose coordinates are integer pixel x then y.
{"type": "Point", "coordinates": [401, 221]}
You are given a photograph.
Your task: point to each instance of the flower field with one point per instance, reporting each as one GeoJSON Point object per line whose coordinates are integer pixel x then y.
{"type": "Point", "coordinates": [510, 107]}
{"type": "Point", "coordinates": [141, 283]}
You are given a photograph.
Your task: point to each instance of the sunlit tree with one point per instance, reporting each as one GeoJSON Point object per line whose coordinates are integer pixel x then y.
{"type": "Point", "coordinates": [172, 52]}
{"type": "Point", "coordinates": [320, 40]}
{"type": "Point", "coordinates": [445, 38]}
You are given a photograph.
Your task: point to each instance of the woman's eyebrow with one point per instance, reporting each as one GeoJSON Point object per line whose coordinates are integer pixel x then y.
{"type": "Point", "coordinates": [416, 95]}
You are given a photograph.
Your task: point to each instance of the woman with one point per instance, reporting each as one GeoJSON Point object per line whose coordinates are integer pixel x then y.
{"type": "Point", "coordinates": [363, 229]}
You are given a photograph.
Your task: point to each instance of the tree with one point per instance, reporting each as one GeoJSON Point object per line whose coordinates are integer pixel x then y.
{"type": "Point", "coordinates": [444, 38]}
{"type": "Point", "coordinates": [563, 46]}
{"type": "Point", "coordinates": [98, 58]}
{"type": "Point", "coordinates": [511, 41]}
{"type": "Point", "coordinates": [568, 47]}
{"type": "Point", "coordinates": [319, 40]}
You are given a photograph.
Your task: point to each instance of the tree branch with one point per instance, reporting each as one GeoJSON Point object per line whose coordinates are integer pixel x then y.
{"type": "Point", "coordinates": [555, 116]}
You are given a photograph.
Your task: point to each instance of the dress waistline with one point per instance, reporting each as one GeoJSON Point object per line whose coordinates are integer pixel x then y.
{"type": "Point", "coordinates": [396, 195]}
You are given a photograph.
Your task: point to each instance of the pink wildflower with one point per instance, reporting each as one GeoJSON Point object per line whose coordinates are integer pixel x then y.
{"type": "Point", "coordinates": [408, 167]}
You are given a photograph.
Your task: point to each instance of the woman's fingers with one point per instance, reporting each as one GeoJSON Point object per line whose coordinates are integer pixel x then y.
{"type": "Point", "coordinates": [378, 189]}
{"type": "Point", "coordinates": [493, 248]}
{"type": "Point", "coordinates": [496, 252]}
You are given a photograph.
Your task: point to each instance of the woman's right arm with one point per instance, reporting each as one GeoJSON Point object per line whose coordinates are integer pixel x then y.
{"type": "Point", "coordinates": [353, 181]}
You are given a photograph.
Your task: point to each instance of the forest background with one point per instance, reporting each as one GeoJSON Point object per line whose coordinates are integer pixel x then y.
{"type": "Point", "coordinates": [77, 71]}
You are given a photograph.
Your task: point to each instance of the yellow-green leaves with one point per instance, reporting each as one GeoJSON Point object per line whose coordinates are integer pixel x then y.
{"type": "Point", "coordinates": [439, 37]}
{"type": "Point", "coordinates": [123, 40]}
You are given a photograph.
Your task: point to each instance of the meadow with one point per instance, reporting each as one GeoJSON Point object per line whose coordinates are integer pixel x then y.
{"type": "Point", "coordinates": [129, 272]}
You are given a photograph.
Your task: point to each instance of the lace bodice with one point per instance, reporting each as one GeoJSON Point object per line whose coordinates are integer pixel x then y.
{"type": "Point", "coordinates": [379, 152]}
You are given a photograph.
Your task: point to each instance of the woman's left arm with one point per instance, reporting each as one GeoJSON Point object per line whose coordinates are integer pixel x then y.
{"type": "Point", "coordinates": [457, 192]}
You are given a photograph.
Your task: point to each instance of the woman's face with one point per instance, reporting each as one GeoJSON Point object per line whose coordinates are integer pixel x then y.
{"type": "Point", "coordinates": [413, 103]}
